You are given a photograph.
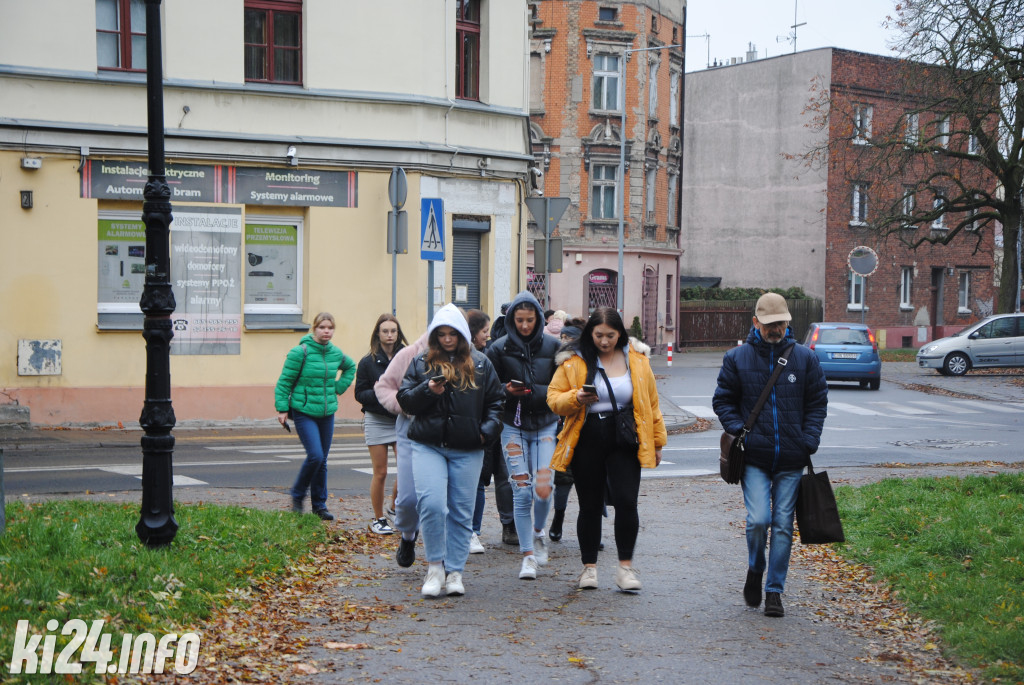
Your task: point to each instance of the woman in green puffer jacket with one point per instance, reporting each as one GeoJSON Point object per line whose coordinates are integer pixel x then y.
{"type": "Point", "coordinates": [309, 386]}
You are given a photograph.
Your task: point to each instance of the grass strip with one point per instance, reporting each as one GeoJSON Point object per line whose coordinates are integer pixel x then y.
{"type": "Point", "coordinates": [68, 559]}
{"type": "Point", "coordinates": [953, 550]}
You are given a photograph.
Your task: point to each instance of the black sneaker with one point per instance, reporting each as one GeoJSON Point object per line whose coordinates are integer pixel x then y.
{"type": "Point", "coordinates": [324, 515]}
{"type": "Point", "coordinates": [297, 505]}
{"type": "Point", "coordinates": [752, 589]}
{"type": "Point", "coordinates": [773, 605]}
{"type": "Point", "coordinates": [406, 555]}
{"type": "Point", "coordinates": [509, 536]}
{"type": "Point", "coordinates": [555, 531]}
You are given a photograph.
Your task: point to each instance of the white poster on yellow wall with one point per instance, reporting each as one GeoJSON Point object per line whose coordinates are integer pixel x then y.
{"type": "Point", "coordinates": [206, 259]}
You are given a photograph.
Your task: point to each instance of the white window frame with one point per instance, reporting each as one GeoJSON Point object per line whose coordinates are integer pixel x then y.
{"type": "Point", "coordinates": [964, 292]}
{"type": "Point", "coordinates": [942, 131]}
{"type": "Point", "coordinates": [859, 207]}
{"type": "Point", "coordinates": [973, 146]}
{"type": "Point", "coordinates": [293, 221]}
{"type": "Point", "coordinates": [652, 179]}
{"type": "Point", "coordinates": [939, 223]}
{"type": "Point", "coordinates": [609, 82]}
{"type": "Point", "coordinates": [912, 129]}
{"type": "Point", "coordinates": [972, 214]}
{"type": "Point", "coordinates": [652, 89]}
{"type": "Point", "coordinates": [673, 193]}
{"type": "Point", "coordinates": [909, 202]}
{"type": "Point", "coordinates": [906, 288]}
{"type": "Point", "coordinates": [673, 105]}
{"type": "Point", "coordinates": [855, 296]}
{"type": "Point", "coordinates": [862, 123]}
{"type": "Point", "coordinates": [600, 186]}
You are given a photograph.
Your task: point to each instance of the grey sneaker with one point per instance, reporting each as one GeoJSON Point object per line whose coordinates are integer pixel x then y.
{"type": "Point", "coordinates": [628, 579]}
{"type": "Point", "coordinates": [453, 584]}
{"type": "Point", "coordinates": [540, 548]}
{"type": "Point", "coordinates": [381, 526]}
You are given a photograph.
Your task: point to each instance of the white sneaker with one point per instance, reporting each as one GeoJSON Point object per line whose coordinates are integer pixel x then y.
{"type": "Point", "coordinates": [433, 582]}
{"type": "Point", "coordinates": [628, 579]}
{"type": "Point", "coordinates": [529, 568]}
{"type": "Point", "coordinates": [453, 584]}
{"type": "Point", "coordinates": [540, 548]}
{"type": "Point", "coordinates": [475, 546]}
{"type": "Point", "coordinates": [588, 579]}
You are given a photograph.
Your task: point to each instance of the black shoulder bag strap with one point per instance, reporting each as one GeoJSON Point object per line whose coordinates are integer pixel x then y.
{"type": "Point", "coordinates": [780, 366]}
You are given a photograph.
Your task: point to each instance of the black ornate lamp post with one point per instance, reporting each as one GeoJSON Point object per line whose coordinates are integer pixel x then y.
{"type": "Point", "coordinates": [156, 526]}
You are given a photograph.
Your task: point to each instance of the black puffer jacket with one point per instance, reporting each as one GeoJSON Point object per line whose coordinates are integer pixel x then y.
{"type": "Point", "coordinates": [531, 361]}
{"type": "Point", "coordinates": [788, 429]}
{"type": "Point", "coordinates": [370, 369]}
{"type": "Point", "coordinates": [455, 418]}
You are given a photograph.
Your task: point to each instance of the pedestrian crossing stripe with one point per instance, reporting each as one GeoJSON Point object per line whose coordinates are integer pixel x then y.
{"type": "Point", "coordinates": [912, 408]}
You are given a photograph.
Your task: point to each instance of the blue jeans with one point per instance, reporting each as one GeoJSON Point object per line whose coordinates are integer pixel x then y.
{"type": "Point", "coordinates": [446, 481]}
{"type": "Point", "coordinates": [770, 501]}
{"type": "Point", "coordinates": [526, 453]}
{"type": "Point", "coordinates": [406, 518]}
{"type": "Point", "coordinates": [316, 434]}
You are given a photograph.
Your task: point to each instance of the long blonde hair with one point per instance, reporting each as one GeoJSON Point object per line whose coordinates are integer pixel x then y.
{"type": "Point", "coordinates": [460, 371]}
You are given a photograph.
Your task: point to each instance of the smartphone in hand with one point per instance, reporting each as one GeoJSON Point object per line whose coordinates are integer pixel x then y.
{"type": "Point", "coordinates": [517, 384]}
{"type": "Point", "coordinates": [587, 387]}
{"type": "Point", "coordinates": [286, 426]}
{"type": "Point", "coordinates": [440, 380]}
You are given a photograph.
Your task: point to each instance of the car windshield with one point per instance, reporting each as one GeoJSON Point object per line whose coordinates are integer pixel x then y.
{"type": "Point", "coordinates": [967, 329]}
{"type": "Point", "coordinates": [843, 336]}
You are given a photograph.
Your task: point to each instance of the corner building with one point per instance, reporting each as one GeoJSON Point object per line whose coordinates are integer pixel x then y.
{"type": "Point", "coordinates": [283, 121]}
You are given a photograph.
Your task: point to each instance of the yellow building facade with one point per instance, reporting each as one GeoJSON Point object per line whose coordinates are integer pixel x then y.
{"type": "Point", "coordinates": [279, 189]}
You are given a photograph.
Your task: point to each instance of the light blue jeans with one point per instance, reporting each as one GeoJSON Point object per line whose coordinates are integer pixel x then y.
{"type": "Point", "coordinates": [526, 452]}
{"type": "Point", "coordinates": [406, 518]}
{"type": "Point", "coordinates": [771, 502]}
{"type": "Point", "coordinates": [446, 481]}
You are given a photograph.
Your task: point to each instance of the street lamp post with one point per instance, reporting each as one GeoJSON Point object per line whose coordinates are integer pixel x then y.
{"type": "Point", "coordinates": [623, 205]}
{"type": "Point", "coordinates": [156, 526]}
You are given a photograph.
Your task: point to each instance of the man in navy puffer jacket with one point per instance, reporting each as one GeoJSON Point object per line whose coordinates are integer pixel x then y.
{"type": "Point", "coordinates": [786, 434]}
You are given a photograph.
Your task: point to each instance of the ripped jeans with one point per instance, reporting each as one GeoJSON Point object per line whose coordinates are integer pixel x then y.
{"type": "Point", "coordinates": [527, 452]}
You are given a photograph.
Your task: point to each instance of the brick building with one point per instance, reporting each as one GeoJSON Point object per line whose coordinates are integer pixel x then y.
{"type": "Point", "coordinates": [576, 106]}
{"type": "Point", "coordinates": [757, 215]}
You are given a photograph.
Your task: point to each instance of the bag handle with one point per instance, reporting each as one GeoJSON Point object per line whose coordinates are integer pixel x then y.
{"type": "Point", "coordinates": [780, 365]}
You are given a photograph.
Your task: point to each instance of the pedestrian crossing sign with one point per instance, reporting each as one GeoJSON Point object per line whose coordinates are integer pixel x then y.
{"type": "Point", "coordinates": [432, 229]}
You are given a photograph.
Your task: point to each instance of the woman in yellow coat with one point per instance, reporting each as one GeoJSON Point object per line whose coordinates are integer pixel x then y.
{"type": "Point", "coordinates": [601, 365]}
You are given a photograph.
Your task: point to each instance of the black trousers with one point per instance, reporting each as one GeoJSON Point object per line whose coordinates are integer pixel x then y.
{"type": "Point", "coordinates": [599, 466]}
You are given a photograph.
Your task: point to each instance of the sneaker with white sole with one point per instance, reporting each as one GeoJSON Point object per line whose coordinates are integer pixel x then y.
{"type": "Point", "coordinates": [381, 526]}
{"type": "Point", "coordinates": [540, 548]}
{"type": "Point", "coordinates": [453, 584]}
{"type": "Point", "coordinates": [628, 579]}
{"type": "Point", "coordinates": [433, 582]}
{"type": "Point", "coordinates": [588, 579]}
{"type": "Point", "coordinates": [475, 546]}
{"type": "Point", "coordinates": [528, 571]}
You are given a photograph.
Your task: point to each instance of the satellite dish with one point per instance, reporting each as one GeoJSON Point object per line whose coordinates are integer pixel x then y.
{"type": "Point", "coordinates": [862, 260]}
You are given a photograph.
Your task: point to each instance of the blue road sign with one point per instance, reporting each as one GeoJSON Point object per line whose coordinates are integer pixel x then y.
{"type": "Point", "coordinates": [432, 229]}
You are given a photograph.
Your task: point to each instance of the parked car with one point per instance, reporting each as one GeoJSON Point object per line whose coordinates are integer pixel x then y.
{"type": "Point", "coordinates": [994, 341]}
{"type": "Point", "coordinates": [847, 352]}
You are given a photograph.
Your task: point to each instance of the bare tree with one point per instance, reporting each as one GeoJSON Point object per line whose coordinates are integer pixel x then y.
{"type": "Point", "coordinates": [948, 166]}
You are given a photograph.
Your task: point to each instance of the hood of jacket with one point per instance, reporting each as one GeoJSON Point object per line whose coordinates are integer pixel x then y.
{"type": "Point", "coordinates": [527, 298]}
{"type": "Point", "coordinates": [450, 315]}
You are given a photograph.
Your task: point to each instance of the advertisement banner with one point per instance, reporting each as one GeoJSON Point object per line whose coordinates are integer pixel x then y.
{"type": "Point", "coordinates": [122, 264]}
{"type": "Point", "coordinates": [271, 264]}
{"type": "Point", "coordinates": [206, 259]}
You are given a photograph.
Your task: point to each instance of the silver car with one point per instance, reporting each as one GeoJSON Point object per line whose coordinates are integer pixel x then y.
{"type": "Point", "coordinates": [994, 341]}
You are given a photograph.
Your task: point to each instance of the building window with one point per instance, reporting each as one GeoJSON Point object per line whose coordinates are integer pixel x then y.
{"type": "Point", "coordinates": [942, 131]}
{"type": "Point", "coordinates": [973, 147]}
{"type": "Point", "coordinates": [273, 41]}
{"type": "Point", "coordinates": [467, 50]}
{"type": "Point", "coordinates": [860, 205]}
{"type": "Point", "coordinates": [964, 292]}
{"type": "Point", "coordinates": [673, 105]}
{"type": "Point", "coordinates": [974, 223]}
{"type": "Point", "coordinates": [536, 82]}
{"type": "Point", "coordinates": [909, 203]}
{"type": "Point", "coordinates": [272, 266]}
{"type": "Point", "coordinates": [939, 222]}
{"type": "Point", "coordinates": [652, 179]}
{"type": "Point", "coordinates": [603, 192]}
{"type": "Point", "coordinates": [856, 300]}
{"type": "Point", "coordinates": [861, 124]}
{"type": "Point", "coordinates": [652, 90]}
{"type": "Point", "coordinates": [673, 193]}
{"type": "Point", "coordinates": [912, 129]}
{"type": "Point", "coordinates": [121, 34]}
{"type": "Point", "coordinates": [607, 13]}
{"type": "Point", "coordinates": [906, 287]}
{"type": "Point", "coordinates": [606, 83]}
{"type": "Point", "coordinates": [668, 301]}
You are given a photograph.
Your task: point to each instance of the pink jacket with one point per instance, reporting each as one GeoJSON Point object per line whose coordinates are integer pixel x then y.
{"type": "Point", "coordinates": [386, 387]}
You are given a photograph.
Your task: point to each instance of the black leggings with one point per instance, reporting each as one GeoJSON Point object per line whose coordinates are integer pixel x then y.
{"type": "Point", "coordinates": [598, 466]}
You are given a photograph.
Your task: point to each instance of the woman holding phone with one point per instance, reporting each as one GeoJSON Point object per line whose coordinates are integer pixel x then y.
{"type": "Point", "coordinates": [454, 399]}
{"type": "Point", "coordinates": [524, 359]}
{"type": "Point", "coordinates": [604, 365]}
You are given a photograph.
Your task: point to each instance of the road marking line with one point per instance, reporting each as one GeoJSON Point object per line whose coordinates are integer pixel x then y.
{"type": "Point", "coordinates": [135, 471]}
{"type": "Point", "coordinates": [675, 473]}
{"type": "Point", "coordinates": [944, 407]}
{"type": "Point", "coordinates": [93, 467]}
{"type": "Point", "coordinates": [701, 411]}
{"type": "Point", "coordinates": [990, 406]}
{"type": "Point", "coordinates": [853, 409]}
{"type": "Point", "coordinates": [903, 409]}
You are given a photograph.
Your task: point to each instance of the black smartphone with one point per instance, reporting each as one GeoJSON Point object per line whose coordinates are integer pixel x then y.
{"type": "Point", "coordinates": [517, 384]}
{"type": "Point", "coordinates": [287, 427]}
{"type": "Point", "coordinates": [590, 388]}
{"type": "Point", "coordinates": [438, 379]}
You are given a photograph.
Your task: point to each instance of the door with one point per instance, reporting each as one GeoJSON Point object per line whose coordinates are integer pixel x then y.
{"type": "Point", "coordinates": [649, 322]}
{"type": "Point", "coordinates": [467, 233]}
{"type": "Point", "coordinates": [994, 344]}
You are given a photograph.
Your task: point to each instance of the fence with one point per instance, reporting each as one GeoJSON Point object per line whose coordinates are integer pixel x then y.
{"type": "Point", "coordinates": [715, 323]}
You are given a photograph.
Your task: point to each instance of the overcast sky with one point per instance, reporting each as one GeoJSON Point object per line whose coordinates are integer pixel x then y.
{"type": "Point", "coordinates": [734, 24]}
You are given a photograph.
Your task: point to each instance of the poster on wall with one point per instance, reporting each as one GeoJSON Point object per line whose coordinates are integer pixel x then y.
{"type": "Point", "coordinates": [122, 263]}
{"type": "Point", "coordinates": [206, 258]}
{"type": "Point", "coordinates": [271, 264]}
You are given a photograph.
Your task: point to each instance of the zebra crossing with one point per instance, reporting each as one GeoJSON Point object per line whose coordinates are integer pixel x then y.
{"type": "Point", "coordinates": [355, 457]}
{"type": "Point", "coordinates": [911, 408]}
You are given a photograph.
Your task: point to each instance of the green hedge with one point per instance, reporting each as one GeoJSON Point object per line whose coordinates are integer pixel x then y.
{"type": "Point", "coordinates": [740, 293]}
